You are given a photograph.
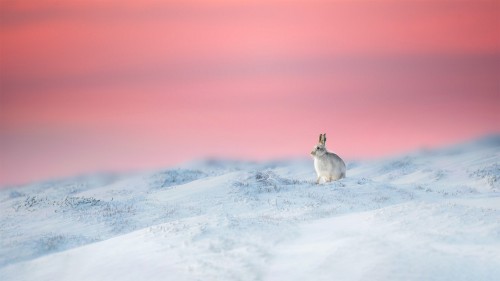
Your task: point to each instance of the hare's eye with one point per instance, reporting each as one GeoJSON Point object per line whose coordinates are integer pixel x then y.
{"type": "Point", "coordinates": [317, 148]}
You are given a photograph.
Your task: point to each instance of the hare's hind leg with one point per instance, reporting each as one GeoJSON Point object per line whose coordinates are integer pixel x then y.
{"type": "Point", "coordinates": [318, 179]}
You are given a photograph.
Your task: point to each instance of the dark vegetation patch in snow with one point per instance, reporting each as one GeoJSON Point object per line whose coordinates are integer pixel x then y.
{"type": "Point", "coordinates": [266, 181]}
{"type": "Point", "coordinates": [490, 173]}
{"type": "Point", "coordinates": [400, 167]}
{"type": "Point", "coordinates": [53, 242]}
{"type": "Point", "coordinates": [168, 178]}
{"type": "Point", "coordinates": [33, 203]}
{"type": "Point", "coordinates": [115, 214]}
{"type": "Point", "coordinates": [15, 194]}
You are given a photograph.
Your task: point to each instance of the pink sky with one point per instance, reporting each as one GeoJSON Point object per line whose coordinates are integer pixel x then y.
{"type": "Point", "coordinates": [123, 85]}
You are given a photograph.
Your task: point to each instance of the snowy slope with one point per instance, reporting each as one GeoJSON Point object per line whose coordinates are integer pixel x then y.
{"type": "Point", "coordinates": [428, 215]}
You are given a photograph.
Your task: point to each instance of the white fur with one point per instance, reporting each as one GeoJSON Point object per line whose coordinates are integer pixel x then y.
{"type": "Point", "coordinates": [329, 166]}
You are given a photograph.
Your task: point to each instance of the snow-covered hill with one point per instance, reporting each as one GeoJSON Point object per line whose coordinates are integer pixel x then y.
{"type": "Point", "coordinates": [428, 215]}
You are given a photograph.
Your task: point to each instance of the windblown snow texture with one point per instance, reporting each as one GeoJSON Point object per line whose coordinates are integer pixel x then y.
{"type": "Point", "coordinates": [429, 215]}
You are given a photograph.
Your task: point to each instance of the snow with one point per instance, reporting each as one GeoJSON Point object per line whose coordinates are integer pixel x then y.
{"type": "Point", "coordinates": [427, 215]}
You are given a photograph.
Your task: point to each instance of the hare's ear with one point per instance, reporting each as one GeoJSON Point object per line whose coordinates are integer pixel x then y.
{"type": "Point", "coordinates": [322, 138]}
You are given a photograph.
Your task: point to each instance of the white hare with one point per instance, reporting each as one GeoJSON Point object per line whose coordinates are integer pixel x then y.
{"type": "Point", "coordinates": [328, 165]}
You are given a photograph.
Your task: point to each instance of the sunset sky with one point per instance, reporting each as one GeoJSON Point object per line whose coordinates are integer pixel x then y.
{"type": "Point", "coordinates": [90, 86]}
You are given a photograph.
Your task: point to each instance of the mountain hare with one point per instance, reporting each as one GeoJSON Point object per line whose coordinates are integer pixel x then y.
{"type": "Point", "coordinates": [327, 165]}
